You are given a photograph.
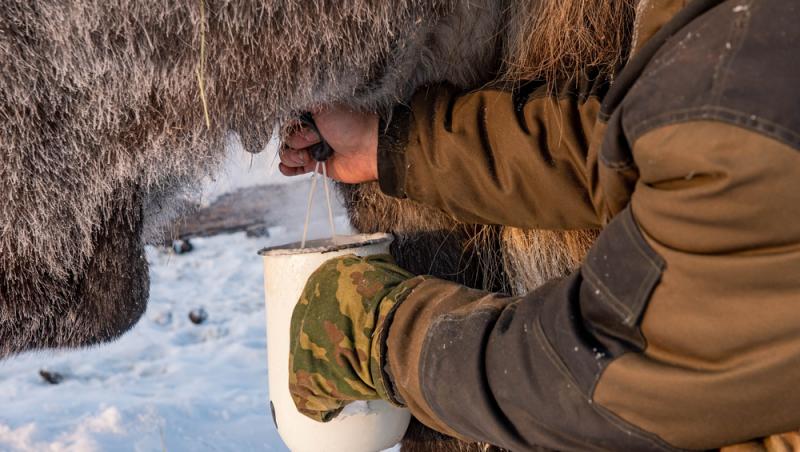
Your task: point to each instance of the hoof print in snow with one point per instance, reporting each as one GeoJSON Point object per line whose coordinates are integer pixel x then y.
{"type": "Point", "coordinates": [51, 377]}
{"type": "Point", "coordinates": [198, 316]}
{"type": "Point", "coordinates": [163, 318]}
{"type": "Point", "coordinates": [181, 246]}
{"type": "Point", "coordinates": [259, 231]}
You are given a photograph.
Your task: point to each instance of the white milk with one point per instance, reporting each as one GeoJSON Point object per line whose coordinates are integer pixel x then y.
{"type": "Point", "coordinates": [362, 426]}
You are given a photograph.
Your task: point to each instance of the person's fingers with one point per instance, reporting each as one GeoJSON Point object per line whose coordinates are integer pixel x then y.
{"type": "Point", "coordinates": [286, 171]}
{"type": "Point", "coordinates": [294, 157]}
{"type": "Point", "coordinates": [295, 171]}
{"type": "Point", "coordinates": [302, 138]}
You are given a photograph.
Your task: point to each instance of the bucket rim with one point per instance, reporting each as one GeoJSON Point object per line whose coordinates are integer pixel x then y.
{"type": "Point", "coordinates": [323, 246]}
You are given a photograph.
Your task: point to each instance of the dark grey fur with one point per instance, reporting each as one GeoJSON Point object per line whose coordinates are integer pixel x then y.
{"type": "Point", "coordinates": [103, 123]}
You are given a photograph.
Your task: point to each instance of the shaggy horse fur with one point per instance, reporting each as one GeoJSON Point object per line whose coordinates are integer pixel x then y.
{"type": "Point", "coordinates": [110, 110]}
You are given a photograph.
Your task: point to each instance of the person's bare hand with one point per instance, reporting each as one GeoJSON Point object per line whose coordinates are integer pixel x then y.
{"type": "Point", "coordinates": [352, 135]}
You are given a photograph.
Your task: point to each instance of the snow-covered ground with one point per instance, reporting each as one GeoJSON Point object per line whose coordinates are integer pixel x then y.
{"type": "Point", "coordinates": [168, 384]}
{"type": "Point", "coordinates": [241, 169]}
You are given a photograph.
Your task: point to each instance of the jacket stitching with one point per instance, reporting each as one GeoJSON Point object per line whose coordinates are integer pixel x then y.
{"type": "Point", "coordinates": [615, 303]}
{"type": "Point", "coordinates": [553, 357]}
{"type": "Point", "coordinates": [647, 252]}
{"type": "Point", "coordinates": [628, 313]}
{"type": "Point", "coordinates": [619, 165]}
{"type": "Point", "coordinates": [426, 350]}
{"type": "Point", "coordinates": [655, 268]}
{"type": "Point", "coordinates": [718, 113]}
{"type": "Point", "coordinates": [559, 364]}
{"type": "Point", "coordinates": [736, 34]}
{"type": "Point", "coordinates": [556, 360]}
{"type": "Point", "coordinates": [621, 423]}
{"type": "Point", "coordinates": [549, 352]}
{"type": "Point", "coordinates": [423, 367]}
{"type": "Point", "coordinates": [425, 358]}
{"type": "Point", "coordinates": [666, 55]}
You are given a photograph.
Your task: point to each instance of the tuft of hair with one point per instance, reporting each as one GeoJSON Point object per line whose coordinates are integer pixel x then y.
{"type": "Point", "coordinates": [562, 40]}
{"type": "Point", "coordinates": [532, 258]}
{"type": "Point", "coordinates": [419, 438]}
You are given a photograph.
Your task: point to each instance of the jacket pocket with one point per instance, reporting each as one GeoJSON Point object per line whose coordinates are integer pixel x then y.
{"type": "Point", "coordinates": [620, 273]}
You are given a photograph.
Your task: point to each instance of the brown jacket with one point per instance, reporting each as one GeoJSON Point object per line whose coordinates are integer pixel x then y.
{"type": "Point", "coordinates": [682, 328]}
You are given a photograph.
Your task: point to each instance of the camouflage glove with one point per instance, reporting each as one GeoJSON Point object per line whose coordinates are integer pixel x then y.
{"type": "Point", "coordinates": [336, 333]}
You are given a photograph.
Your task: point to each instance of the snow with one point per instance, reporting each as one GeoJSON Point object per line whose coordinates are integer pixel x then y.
{"type": "Point", "coordinates": [168, 384]}
{"type": "Point", "coordinates": [241, 169]}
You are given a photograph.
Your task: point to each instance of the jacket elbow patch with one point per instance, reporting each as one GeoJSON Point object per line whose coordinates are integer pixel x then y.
{"type": "Point", "coordinates": [620, 274]}
{"type": "Point", "coordinates": [719, 354]}
{"type": "Point", "coordinates": [523, 376]}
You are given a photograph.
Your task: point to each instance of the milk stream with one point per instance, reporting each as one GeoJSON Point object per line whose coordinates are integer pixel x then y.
{"type": "Point", "coordinates": [311, 199]}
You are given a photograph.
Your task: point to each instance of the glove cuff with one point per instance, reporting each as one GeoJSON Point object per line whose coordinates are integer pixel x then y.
{"type": "Point", "coordinates": [379, 367]}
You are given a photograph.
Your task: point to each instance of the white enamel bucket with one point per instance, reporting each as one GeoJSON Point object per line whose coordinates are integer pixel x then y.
{"type": "Point", "coordinates": [362, 426]}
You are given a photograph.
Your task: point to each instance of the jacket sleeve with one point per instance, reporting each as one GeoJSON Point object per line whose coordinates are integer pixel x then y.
{"type": "Point", "coordinates": [678, 332]}
{"type": "Point", "coordinates": [518, 157]}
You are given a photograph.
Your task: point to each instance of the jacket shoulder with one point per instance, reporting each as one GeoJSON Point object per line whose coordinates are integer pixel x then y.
{"type": "Point", "coordinates": [737, 63]}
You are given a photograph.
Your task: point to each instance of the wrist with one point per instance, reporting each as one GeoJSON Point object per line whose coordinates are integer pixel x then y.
{"type": "Point", "coordinates": [392, 141]}
{"type": "Point", "coordinates": [379, 366]}
{"type": "Point", "coordinates": [375, 131]}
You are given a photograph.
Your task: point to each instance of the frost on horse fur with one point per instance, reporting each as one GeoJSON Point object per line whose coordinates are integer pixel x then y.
{"type": "Point", "coordinates": [103, 125]}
